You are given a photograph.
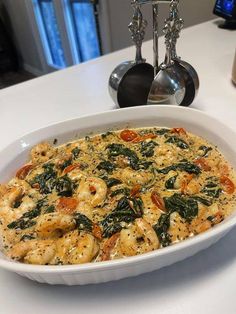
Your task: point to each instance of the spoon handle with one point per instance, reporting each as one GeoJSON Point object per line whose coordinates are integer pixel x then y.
{"type": "Point", "coordinates": [178, 24]}
{"type": "Point", "coordinates": [137, 29]}
{"type": "Point", "coordinates": [155, 12]}
{"type": "Point", "coordinates": [167, 30]}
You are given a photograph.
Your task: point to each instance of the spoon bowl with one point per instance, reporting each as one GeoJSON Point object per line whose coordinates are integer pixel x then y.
{"type": "Point", "coordinates": [130, 81]}
{"type": "Point", "coordinates": [190, 89]}
{"type": "Point", "coordinates": [168, 86]}
{"type": "Point", "coordinates": [190, 75]}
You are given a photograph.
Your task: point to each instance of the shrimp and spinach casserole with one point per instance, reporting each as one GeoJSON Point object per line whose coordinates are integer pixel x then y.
{"type": "Point", "coordinates": [114, 195]}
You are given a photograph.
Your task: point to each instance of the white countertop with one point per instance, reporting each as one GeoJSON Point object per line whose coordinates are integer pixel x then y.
{"type": "Point", "coordinates": [205, 283]}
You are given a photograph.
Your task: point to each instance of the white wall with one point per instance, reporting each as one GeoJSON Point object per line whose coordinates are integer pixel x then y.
{"type": "Point", "coordinates": [193, 12]}
{"type": "Point", "coordinates": [118, 14]}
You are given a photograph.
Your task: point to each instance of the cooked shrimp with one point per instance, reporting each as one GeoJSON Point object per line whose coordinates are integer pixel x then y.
{"type": "Point", "coordinates": [85, 209]}
{"type": "Point", "coordinates": [3, 190]}
{"type": "Point", "coordinates": [207, 217]}
{"type": "Point", "coordinates": [19, 250]}
{"type": "Point", "coordinates": [76, 174]}
{"type": "Point", "coordinates": [139, 238]}
{"type": "Point", "coordinates": [165, 155]}
{"type": "Point", "coordinates": [33, 251]}
{"type": "Point", "coordinates": [92, 190]}
{"type": "Point", "coordinates": [187, 184]}
{"type": "Point", "coordinates": [8, 212]}
{"type": "Point", "coordinates": [41, 255]}
{"type": "Point", "coordinates": [53, 225]}
{"type": "Point", "coordinates": [178, 230]}
{"type": "Point", "coordinates": [76, 248]}
{"type": "Point", "coordinates": [27, 204]}
{"type": "Point", "coordinates": [193, 187]}
{"type": "Point", "coordinates": [20, 183]}
{"type": "Point", "coordinates": [86, 249]}
{"type": "Point", "coordinates": [133, 177]}
{"type": "Point", "coordinates": [108, 246]}
{"type": "Point", "coordinates": [42, 153]}
{"type": "Point", "coordinates": [11, 196]}
{"type": "Point", "coordinates": [151, 212]}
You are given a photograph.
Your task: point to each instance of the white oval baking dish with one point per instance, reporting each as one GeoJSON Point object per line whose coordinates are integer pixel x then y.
{"type": "Point", "coordinates": [192, 120]}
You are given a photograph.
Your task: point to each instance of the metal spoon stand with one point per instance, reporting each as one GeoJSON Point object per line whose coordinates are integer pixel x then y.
{"type": "Point", "coordinates": [176, 24]}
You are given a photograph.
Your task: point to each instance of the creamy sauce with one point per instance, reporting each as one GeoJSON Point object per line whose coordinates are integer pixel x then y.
{"type": "Point", "coordinates": [114, 195]}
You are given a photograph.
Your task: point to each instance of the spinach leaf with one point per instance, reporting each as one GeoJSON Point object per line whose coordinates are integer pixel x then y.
{"type": "Point", "coordinates": [162, 131]}
{"type": "Point", "coordinates": [107, 166]}
{"type": "Point", "coordinates": [189, 167]}
{"type": "Point", "coordinates": [129, 203]}
{"type": "Point", "coordinates": [49, 209]}
{"type": "Point", "coordinates": [26, 237]}
{"type": "Point", "coordinates": [109, 230]}
{"type": "Point", "coordinates": [32, 213]}
{"type": "Point", "coordinates": [167, 169]}
{"type": "Point", "coordinates": [112, 182]}
{"type": "Point", "coordinates": [161, 229]}
{"type": "Point", "coordinates": [186, 207]}
{"type": "Point", "coordinates": [171, 182]}
{"type": "Point", "coordinates": [112, 221]}
{"type": "Point", "coordinates": [22, 223]}
{"type": "Point", "coordinates": [120, 149]}
{"type": "Point", "coordinates": [17, 203]}
{"type": "Point", "coordinates": [178, 142]}
{"type": "Point", "coordinates": [147, 148]}
{"type": "Point", "coordinates": [64, 186]}
{"type": "Point", "coordinates": [46, 179]}
{"type": "Point", "coordinates": [202, 200]}
{"type": "Point", "coordinates": [75, 152]}
{"type": "Point", "coordinates": [65, 164]}
{"type": "Point", "coordinates": [144, 132]}
{"type": "Point", "coordinates": [127, 210]}
{"type": "Point", "coordinates": [25, 221]}
{"type": "Point", "coordinates": [41, 203]}
{"type": "Point", "coordinates": [124, 191]}
{"type": "Point", "coordinates": [205, 150]}
{"type": "Point", "coordinates": [182, 166]}
{"type": "Point", "coordinates": [123, 204]}
{"type": "Point", "coordinates": [105, 135]}
{"type": "Point", "coordinates": [211, 189]}
{"type": "Point", "coordinates": [137, 205]}
{"type": "Point", "coordinates": [115, 150]}
{"type": "Point", "coordinates": [144, 165]}
{"type": "Point", "coordinates": [213, 220]}
{"type": "Point", "coordinates": [83, 222]}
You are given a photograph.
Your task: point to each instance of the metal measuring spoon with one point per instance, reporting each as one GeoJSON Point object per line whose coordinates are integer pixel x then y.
{"type": "Point", "coordinates": [130, 82]}
{"type": "Point", "coordinates": [155, 13]}
{"type": "Point", "coordinates": [190, 75]}
{"type": "Point", "coordinates": [168, 86]}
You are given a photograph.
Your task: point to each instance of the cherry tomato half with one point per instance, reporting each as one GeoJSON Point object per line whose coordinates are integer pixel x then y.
{"type": "Point", "coordinates": [227, 185]}
{"type": "Point", "coordinates": [128, 135]}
